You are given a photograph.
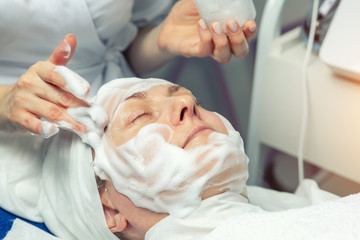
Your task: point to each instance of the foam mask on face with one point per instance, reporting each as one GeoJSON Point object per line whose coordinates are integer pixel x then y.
{"type": "Point", "coordinates": [157, 175]}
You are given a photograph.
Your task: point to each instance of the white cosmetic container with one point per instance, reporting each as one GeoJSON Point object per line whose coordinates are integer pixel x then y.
{"type": "Point", "coordinates": [223, 10]}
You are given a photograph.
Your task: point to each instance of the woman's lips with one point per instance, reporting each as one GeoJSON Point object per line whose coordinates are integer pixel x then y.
{"type": "Point", "coordinates": [195, 133]}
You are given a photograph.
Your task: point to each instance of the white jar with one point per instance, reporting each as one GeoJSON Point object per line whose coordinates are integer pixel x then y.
{"type": "Point", "coordinates": [223, 10]}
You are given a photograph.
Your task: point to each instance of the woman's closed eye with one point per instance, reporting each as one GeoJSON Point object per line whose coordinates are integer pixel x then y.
{"type": "Point", "coordinates": [197, 102]}
{"type": "Point", "coordinates": [139, 116]}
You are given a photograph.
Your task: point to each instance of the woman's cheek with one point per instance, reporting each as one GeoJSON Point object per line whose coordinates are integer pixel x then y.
{"type": "Point", "coordinates": [214, 121]}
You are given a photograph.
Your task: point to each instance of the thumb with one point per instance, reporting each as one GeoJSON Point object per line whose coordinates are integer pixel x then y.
{"type": "Point", "coordinates": [64, 51]}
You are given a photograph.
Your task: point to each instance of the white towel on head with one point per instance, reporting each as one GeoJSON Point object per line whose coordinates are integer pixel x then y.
{"type": "Point", "coordinates": [69, 199]}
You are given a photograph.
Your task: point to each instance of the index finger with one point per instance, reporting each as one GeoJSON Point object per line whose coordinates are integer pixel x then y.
{"type": "Point", "coordinates": [64, 51]}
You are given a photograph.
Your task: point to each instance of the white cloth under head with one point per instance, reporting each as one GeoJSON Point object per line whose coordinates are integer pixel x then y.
{"type": "Point", "coordinates": [211, 213]}
{"type": "Point", "coordinates": [329, 220]}
{"type": "Point", "coordinates": [226, 216]}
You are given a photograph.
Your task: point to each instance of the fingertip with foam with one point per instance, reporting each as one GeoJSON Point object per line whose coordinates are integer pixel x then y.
{"type": "Point", "coordinates": [66, 48]}
{"type": "Point", "coordinates": [74, 83]}
{"type": "Point", "coordinates": [99, 115]}
{"type": "Point", "coordinates": [48, 129]}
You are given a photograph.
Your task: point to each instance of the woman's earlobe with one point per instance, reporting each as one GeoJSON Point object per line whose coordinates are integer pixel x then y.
{"type": "Point", "coordinates": [115, 221]}
{"type": "Point", "coordinates": [120, 223]}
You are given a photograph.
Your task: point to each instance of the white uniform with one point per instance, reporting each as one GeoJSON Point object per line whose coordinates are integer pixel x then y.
{"type": "Point", "coordinates": [31, 29]}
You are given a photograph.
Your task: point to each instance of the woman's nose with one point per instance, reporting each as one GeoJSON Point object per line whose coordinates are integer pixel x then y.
{"type": "Point", "coordinates": [183, 108]}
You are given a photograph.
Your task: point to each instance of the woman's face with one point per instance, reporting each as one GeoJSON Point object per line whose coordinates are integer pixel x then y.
{"type": "Point", "coordinates": [191, 127]}
{"type": "Point", "coordinates": [172, 105]}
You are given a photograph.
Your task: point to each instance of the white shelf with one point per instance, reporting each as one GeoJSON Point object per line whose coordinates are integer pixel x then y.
{"type": "Point", "coordinates": [333, 133]}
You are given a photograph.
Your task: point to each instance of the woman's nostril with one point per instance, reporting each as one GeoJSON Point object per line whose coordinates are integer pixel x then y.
{"type": "Point", "coordinates": [182, 113]}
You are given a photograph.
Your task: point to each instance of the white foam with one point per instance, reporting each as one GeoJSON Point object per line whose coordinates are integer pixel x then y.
{"type": "Point", "coordinates": [165, 178]}
{"type": "Point", "coordinates": [74, 82]}
{"type": "Point", "coordinates": [48, 129]}
{"type": "Point", "coordinates": [94, 118]}
{"type": "Point", "coordinates": [66, 48]}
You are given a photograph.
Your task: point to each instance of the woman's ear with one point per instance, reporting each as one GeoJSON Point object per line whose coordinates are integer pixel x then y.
{"type": "Point", "coordinates": [115, 221]}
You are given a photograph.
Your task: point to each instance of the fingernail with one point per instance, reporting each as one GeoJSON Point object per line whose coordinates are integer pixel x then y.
{"type": "Point", "coordinates": [217, 28]}
{"type": "Point", "coordinates": [202, 24]}
{"type": "Point", "coordinates": [65, 47]}
{"type": "Point", "coordinates": [48, 129]}
{"type": "Point", "coordinates": [252, 28]}
{"type": "Point", "coordinates": [233, 26]}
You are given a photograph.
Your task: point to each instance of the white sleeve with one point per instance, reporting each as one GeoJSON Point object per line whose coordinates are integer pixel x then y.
{"type": "Point", "coordinates": [150, 11]}
{"type": "Point", "coordinates": [20, 174]}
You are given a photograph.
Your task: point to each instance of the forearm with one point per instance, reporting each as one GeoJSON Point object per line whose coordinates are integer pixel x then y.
{"type": "Point", "coordinates": [144, 54]}
{"type": "Point", "coordinates": [4, 92]}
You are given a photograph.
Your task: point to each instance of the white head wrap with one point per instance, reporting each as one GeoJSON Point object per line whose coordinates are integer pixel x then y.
{"type": "Point", "coordinates": [69, 200]}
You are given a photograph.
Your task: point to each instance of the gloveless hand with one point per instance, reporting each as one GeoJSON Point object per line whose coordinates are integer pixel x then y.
{"type": "Point", "coordinates": [39, 94]}
{"type": "Point", "coordinates": [183, 33]}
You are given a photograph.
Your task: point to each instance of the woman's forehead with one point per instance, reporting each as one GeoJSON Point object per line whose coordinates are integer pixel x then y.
{"type": "Point", "coordinates": [112, 94]}
{"type": "Point", "coordinates": [165, 89]}
{"type": "Point", "coordinates": [145, 87]}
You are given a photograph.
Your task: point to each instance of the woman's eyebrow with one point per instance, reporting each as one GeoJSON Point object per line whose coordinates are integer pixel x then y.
{"type": "Point", "coordinates": [138, 95]}
{"type": "Point", "coordinates": [143, 95]}
{"type": "Point", "coordinates": [173, 89]}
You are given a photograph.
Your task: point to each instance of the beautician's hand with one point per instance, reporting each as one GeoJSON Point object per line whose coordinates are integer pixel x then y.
{"type": "Point", "coordinates": [183, 34]}
{"type": "Point", "coordinates": [38, 94]}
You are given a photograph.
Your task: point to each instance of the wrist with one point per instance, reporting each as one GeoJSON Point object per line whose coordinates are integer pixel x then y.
{"type": "Point", "coordinates": [146, 54]}
{"type": "Point", "coordinates": [3, 103]}
{"type": "Point", "coordinates": [162, 42]}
